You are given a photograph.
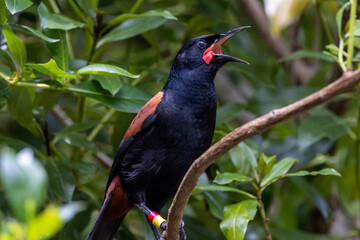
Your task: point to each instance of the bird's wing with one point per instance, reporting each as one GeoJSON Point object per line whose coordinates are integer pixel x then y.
{"type": "Point", "coordinates": [141, 123]}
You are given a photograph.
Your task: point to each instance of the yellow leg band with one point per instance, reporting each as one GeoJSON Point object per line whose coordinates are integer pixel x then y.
{"type": "Point", "coordinates": [157, 221]}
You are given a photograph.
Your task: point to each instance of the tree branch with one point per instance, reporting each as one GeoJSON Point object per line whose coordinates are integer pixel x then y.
{"type": "Point", "coordinates": [344, 84]}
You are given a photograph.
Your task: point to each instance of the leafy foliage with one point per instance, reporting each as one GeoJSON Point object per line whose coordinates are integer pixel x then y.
{"type": "Point", "coordinates": [74, 73]}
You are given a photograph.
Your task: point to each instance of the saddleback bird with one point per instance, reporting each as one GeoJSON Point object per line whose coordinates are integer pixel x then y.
{"type": "Point", "coordinates": [173, 129]}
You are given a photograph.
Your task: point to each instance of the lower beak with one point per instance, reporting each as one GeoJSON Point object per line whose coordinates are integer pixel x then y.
{"type": "Point", "coordinates": [214, 52]}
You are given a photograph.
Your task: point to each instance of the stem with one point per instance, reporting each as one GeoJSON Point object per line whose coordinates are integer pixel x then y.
{"type": "Point", "coordinates": [100, 125]}
{"type": "Point", "coordinates": [340, 55]}
{"type": "Point", "coordinates": [77, 10]}
{"type": "Point", "coordinates": [136, 6]}
{"type": "Point", "coordinates": [263, 213]}
{"type": "Point", "coordinates": [351, 32]}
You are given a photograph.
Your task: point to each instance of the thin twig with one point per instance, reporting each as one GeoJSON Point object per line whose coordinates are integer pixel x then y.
{"type": "Point", "coordinates": [344, 84]}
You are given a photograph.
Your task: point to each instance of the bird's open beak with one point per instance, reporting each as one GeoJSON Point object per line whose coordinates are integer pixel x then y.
{"type": "Point", "coordinates": [213, 53]}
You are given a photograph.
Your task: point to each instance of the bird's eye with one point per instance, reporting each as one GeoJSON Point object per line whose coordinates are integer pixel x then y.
{"type": "Point", "coordinates": [201, 44]}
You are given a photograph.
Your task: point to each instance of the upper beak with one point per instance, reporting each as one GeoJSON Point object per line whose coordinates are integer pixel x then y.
{"type": "Point", "coordinates": [214, 51]}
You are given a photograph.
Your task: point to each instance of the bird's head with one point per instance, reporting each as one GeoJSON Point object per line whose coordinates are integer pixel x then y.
{"type": "Point", "coordinates": [204, 52]}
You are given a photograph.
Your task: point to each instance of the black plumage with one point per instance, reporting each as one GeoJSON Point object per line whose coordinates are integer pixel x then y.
{"type": "Point", "coordinates": [168, 134]}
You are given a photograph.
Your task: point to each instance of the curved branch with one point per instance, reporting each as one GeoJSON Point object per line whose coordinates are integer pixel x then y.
{"type": "Point", "coordinates": [344, 84]}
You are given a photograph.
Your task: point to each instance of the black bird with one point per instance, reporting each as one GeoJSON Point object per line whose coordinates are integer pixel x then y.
{"type": "Point", "coordinates": [173, 129]}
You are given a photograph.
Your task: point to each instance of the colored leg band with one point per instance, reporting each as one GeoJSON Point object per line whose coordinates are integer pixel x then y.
{"type": "Point", "coordinates": [156, 219]}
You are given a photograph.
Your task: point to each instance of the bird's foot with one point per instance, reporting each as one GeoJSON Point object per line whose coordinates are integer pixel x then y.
{"type": "Point", "coordinates": [182, 231]}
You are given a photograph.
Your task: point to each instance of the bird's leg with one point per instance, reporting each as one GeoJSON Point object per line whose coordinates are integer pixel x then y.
{"type": "Point", "coordinates": [154, 229]}
{"type": "Point", "coordinates": [155, 220]}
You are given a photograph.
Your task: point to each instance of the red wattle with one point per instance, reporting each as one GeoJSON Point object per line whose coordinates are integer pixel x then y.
{"type": "Point", "coordinates": [208, 55]}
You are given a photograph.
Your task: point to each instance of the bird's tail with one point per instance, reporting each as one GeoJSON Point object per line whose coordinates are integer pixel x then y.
{"type": "Point", "coordinates": [111, 214]}
{"type": "Point", "coordinates": [104, 229]}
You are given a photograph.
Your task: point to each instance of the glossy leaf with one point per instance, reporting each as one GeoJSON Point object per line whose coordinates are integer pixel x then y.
{"type": "Point", "coordinates": [280, 168]}
{"type": "Point", "coordinates": [131, 28]}
{"type": "Point", "coordinates": [59, 50]}
{"type": "Point", "coordinates": [324, 171]}
{"type": "Point", "coordinates": [152, 13]}
{"type": "Point", "coordinates": [77, 139]}
{"type": "Point", "coordinates": [128, 99]}
{"type": "Point", "coordinates": [216, 203]}
{"type": "Point", "coordinates": [50, 68]}
{"type": "Point", "coordinates": [227, 177]}
{"type": "Point", "coordinates": [248, 154]}
{"type": "Point", "coordinates": [16, 46]}
{"type": "Point", "coordinates": [266, 164]}
{"type": "Point", "coordinates": [24, 181]}
{"type": "Point", "coordinates": [110, 83]}
{"type": "Point", "coordinates": [55, 21]}
{"type": "Point", "coordinates": [33, 32]}
{"type": "Point", "coordinates": [236, 219]}
{"type": "Point", "coordinates": [228, 112]}
{"type": "Point", "coordinates": [15, 6]}
{"type": "Point", "coordinates": [105, 69]}
{"type": "Point", "coordinates": [61, 180]}
{"type": "Point", "coordinates": [217, 188]}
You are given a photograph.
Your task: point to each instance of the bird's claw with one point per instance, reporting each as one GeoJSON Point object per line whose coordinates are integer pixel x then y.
{"type": "Point", "coordinates": [182, 231]}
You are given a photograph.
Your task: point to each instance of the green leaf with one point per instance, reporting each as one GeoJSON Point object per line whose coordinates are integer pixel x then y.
{"type": "Point", "coordinates": [339, 16]}
{"type": "Point", "coordinates": [131, 28]}
{"type": "Point", "coordinates": [266, 164]}
{"type": "Point", "coordinates": [217, 188]}
{"type": "Point", "coordinates": [228, 112]}
{"type": "Point", "coordinates": [33, 32]}
{"type": "Point", "coordinates": [248, 154]}
{"type": "Point", "coordinates": [3, 17]}
{"type": "Point", "coordinates": [20, 108]}
{"type": "Point", "coordinates": [227, 177]}
{"type": "Point", "coordinates": [110, 83]}
{"type": "Point", "coordinates": [236, 219]}
{"type": "Point", "coordinates": [50, 68]}
{"type": "Point", "coordinates": [321, 123]}
{"type": "Point", "coordinates": [55, 21]}
{"type": "Point", "coordinates": [61, 180]}
{"type": "Point", "coordinates": [307, 54]}
{"type": "Point", "coordinates": [280, 168]}
{"type": "Point", "coordinates": [16, 46]}
{"type": "Point", "coordinates": [127, 16]}
{"type": "Point", "coordinates": [128, 99]}
{"type": "Point", "coordinates": [357, 28]}
{"type": "Point", "coordinates": [77, 139]}
{"type": "Point", "coordinates": [46, 225]}
{"type": "Point", "coordinates": [59, 50]}
{"type": "Point", "coordinates": [314, 196]}
{"type": "Point", "coordinates": [50, 221]}
{"type": "Point", "coordinates": [24, 181]}
{"type": "Point", "coordinates": [15, 6]}
{"type": "Point", "coordinates": [325, 172]}
{"type": "Point", "coordinates": [216, 203]}
{"type": "Point", "coordinates": [105, 69]}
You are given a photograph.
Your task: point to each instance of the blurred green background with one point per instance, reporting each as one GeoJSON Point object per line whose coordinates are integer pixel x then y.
{"type": "Point", "coordinates": [73, 74]}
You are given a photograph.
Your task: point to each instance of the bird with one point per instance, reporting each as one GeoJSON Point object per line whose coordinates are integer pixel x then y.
{"type": "Point", "coordinates": [171, 130]}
